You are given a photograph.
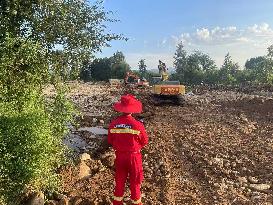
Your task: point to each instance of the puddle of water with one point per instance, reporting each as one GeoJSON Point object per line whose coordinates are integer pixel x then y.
{"type": "Point", "coordinates": [94, 130]}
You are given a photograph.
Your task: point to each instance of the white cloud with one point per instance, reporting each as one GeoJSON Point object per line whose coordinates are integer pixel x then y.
{"type": "Point", "coordinates": [226, 35]}
{"type": "Point", "coordinates": [185, 38]}
{"type": "Point", "coordinates": [242, 43]}
{"type": "Point", "coordinates": [203, 34]}
{"type": "Point", "coordinates": [243, 39]}
{"type": "Point", "coordinates": [260, 29]}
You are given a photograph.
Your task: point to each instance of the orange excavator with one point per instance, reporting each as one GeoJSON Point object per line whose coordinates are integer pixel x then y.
{"type": "Point", "coordinates": [166, 91]}
{"type": "Point", "coordinates": [133, 79]}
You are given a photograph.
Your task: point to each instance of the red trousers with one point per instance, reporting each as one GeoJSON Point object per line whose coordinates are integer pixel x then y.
{"type": "Point", "coordinates": [128, 164]}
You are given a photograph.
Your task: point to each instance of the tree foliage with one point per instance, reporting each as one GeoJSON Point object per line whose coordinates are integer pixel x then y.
{"type": "Point", "coordinates": [41, 40]}
{"type": "Point", "coordinates": [22, 69]}
{"type": "Point", "coordinates": [197, 67]}
{"type": "Point", "coordinates": [269, 65]}
{"type": "Point", "coordinates": [255, 68]}
{"type": "Point", "coordinates": [31, 129]}
{"type": "Point", "coordinates": [119, 67]}
{"type": "Point", "coordinates": [70, 31]}
{"type": "Point", "coordinates": [228, 70]}
{"type": "Point", "coordinates": [255, 64]}
{"type": "Point", "coordinates": [193, 68]}
{"type": "Point", "coordinates": [102, 69]}
{"type": "Point", "coordinates": [142, 68]}
{"type": "Point", "coordinates": [180, 61]}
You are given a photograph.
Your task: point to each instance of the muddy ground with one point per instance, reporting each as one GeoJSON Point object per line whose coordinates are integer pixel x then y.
{"type": "Point", "coordinates": [216, 149]}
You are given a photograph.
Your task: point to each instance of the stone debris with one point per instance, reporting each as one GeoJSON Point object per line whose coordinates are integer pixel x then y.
{"type": "Point", "coordinates": [37, 198]}
{"type": "Point", "coordinates": [260, 187]}
{"type": "Point", "coordinates": [84, 157]}
{"type": "Point", "coordinates": [94, 130]}
{"type": "Point", "coordinates": [215, 150]}
{"type": "Point", "coordinates": [84, 171]}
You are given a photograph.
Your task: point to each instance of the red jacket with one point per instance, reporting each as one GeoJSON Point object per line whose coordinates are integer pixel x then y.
{"type": "Point", "coordinates": [126, 134]}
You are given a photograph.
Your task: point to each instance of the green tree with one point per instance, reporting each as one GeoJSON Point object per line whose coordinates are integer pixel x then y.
{"type": "Point", "coordinates": [255, 69]}
{"type": "Point", "coordinates": [270, 52]}
{"type": "Point", "coordinates": [119, 70]}
{"type": "Point", "coordinates": [70, 31]}
{"type": "Point", "coordinates": [101, 69]}
{"type": "Point", "coordinates": [30, 131]}
{"type": "Point", "coordinates": [269, 65]}
{"type": "Point", "coordinates": [119, 67]}
{"type": "Point", "coordinates": [203, 61]}
{"type": "Point", "coordinates": [255, 64]}
{"type": "Point", "coordinates": [198, 65]}
{"type": "Point", "coordinates": [85, 72]}
{"type": "Point", "coordinates": [142, 68]}
{"type": "Point", "coordinates": [194, 68]}
{"type": "Point", "coordinates": [211, 76]}
{"type": "Point", "coordinates": [118, 57]}
{"type": "Point", "coordinates": [180, 61]}
{"type": "Point", "coordinates": [228, 70]}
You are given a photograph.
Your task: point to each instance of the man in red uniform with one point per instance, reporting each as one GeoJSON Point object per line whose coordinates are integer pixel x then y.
{"type": "Point", "coordinates": [127, 136]}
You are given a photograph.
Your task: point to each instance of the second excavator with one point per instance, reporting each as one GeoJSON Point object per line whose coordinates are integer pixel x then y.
{"type": "Point", "coordinates": [134, 80]}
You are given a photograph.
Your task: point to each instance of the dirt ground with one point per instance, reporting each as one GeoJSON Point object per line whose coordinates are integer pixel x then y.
{"type": "Point", "coordinates": [216, 149]}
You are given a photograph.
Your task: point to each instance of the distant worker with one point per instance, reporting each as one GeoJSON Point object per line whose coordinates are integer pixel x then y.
{"type": "Point", "coordinates": [163, 71]}
{"type": "Point", "coordinates": [127, 136]}
{"type": "Point", "coordinates": [164, 68]}
{"type": "Point", "coordinates": [160, 67]}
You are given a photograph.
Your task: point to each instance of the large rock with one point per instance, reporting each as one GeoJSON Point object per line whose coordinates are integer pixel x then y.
{"type": "Point", "coordinates": [253, 180]}
{"type": "Point", "coordinates": [84, 171]}
{"type": "Point", "coordinates": [76, 201]}
{"type": "Point", "coordinates": [51, 202]}
{"type": "Point", "coordinates": [37, 198]}
{"type": "Point", "coordinates": [260, 187]}
{"type": "Point", "coordinates": [242, 180]}
{"type": "Point", "coordinates": [64, 201]}
{"type": "Point", "coordinates": [108, 159]}
{"type": "Point", "coordinates": [85, 157]}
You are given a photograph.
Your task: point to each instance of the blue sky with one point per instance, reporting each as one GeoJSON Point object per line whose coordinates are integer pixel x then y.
{"type": "Point", "coordinates": [242, 27]}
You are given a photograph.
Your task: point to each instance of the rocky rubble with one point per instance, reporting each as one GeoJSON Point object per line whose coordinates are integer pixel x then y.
{"type": "Point", "coordinates": [215, 150]}
{"type": "Point", "coordinates": [247, 88]}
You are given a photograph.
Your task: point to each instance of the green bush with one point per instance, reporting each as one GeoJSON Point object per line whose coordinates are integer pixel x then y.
{"type": "Point", "coordinates": [31, 127]}
{"type": "Point", "coordinates": [269, 78]}
{"type": "Point", "coordinates": [31, 148]}
{"type": "Point", "coordinates": [29, 153]}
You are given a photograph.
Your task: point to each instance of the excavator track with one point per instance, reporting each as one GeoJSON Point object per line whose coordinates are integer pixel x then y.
{"type": "Point", "coordinates": [167, 100]}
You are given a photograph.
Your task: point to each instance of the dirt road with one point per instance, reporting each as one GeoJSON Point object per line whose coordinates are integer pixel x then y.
{"type": "Point", "coordinates": [215, 150]}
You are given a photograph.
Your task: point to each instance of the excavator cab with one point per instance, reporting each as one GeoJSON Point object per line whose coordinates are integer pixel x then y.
{"type": "Point", "coordinates": [165, 91]}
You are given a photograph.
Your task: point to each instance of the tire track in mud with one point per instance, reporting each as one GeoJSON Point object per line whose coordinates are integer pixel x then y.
{"type": "Point", "coordinates": [179, 183]}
